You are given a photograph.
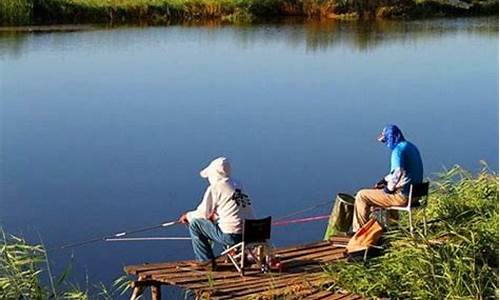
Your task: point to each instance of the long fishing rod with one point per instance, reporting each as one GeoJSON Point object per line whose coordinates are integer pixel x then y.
{"type": "Point", "coordinates": [321, 204]}
{"type": "Point", "coordinates": [283, 220]}
{"type": "Point", "coordinates": [301, 220]}
{"type": "Point", "coordinates": [116, 235]}
{"type": "Point", "coordinates": [181, 238]}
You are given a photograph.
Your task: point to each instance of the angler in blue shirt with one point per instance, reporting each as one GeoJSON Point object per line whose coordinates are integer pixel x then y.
{"type": "Point", "coordinates": [393, 189]}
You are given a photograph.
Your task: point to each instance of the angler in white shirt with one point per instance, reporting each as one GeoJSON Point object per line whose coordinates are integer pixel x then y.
{"type": "Point", "coordinates": [220, 215]}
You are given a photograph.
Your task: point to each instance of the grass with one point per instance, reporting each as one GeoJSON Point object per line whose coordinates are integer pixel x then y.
{"type": "Point", "coordinates": [25, 12]}
{"type": "Point", "coordinates": [25, 274]}
{"type": "Point", "coordinates": [458, 259]}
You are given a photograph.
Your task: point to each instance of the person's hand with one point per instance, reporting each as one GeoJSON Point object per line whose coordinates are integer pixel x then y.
{"type": "Point", "coordinates": [183, 219]}
{"type": "Point", "coordinates": [380, 184]}
{"type": "Point", "coordinates": [212, 217]}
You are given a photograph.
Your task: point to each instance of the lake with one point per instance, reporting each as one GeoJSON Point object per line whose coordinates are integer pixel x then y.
{"type": "Point", "coordinates": [107, 130]}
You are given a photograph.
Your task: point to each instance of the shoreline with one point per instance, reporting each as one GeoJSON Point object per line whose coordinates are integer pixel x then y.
{"type": "Point", "coordinates": [50, 13]}
{"type": "Point", "coordinates": [13, 29]}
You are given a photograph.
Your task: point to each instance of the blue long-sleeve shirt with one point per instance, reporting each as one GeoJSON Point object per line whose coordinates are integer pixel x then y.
{"type": "Point", "coordinates": [406, 168]}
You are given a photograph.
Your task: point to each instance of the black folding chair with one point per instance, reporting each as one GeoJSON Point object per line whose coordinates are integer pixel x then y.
{"type": "Point", "coordinates": [255, 233]}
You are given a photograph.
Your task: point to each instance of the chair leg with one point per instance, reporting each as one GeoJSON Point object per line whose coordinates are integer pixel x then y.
{"type": "Point", "coordinates": [411, 222]}
{"type": "Point", "coordinates": [242, 263]}
{"type": "Point", "coordinates": [425, 221]}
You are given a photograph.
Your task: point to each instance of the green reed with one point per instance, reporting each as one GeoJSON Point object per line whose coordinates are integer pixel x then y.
{"type": "Point", "coordinates": [25, 274]}
{"type": "Point", "coordinates": [458, 259]}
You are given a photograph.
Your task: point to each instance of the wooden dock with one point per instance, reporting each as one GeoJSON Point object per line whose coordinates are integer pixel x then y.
{"type": "Point", "coordinates": [302, 276]}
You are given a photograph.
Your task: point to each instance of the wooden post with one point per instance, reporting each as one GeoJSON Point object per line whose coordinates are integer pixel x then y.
{"type": "Point", "coordinates": [156, 292]}
{"type": "Point", "coordinates": [138, 288]}
{"type": "Point", "coordinates": [137, 292]}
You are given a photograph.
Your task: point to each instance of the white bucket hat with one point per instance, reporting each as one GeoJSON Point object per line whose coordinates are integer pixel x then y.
{"type": "Point", "coordinates": [219, 167]}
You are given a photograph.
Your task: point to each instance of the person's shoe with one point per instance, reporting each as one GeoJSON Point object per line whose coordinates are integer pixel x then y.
{"type": "Point", "coordinates": [208, 265]}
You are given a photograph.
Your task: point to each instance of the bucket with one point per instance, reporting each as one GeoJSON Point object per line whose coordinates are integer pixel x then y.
{"type": "Point", "coordinates": [341, 218]}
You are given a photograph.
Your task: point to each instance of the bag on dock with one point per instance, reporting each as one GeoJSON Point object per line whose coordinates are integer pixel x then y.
{"type": "Point", "coordinates": [341, 218]}
{"type": "Point", "coordinates": [366, 237]}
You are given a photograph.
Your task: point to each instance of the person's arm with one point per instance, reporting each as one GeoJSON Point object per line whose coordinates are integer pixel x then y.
{"type": "Point", "coordinates": [396, 180]}
{"type": "Point", "coordinates": [380, 184]}
{"type": "Point", "coordinates": [203, 211]}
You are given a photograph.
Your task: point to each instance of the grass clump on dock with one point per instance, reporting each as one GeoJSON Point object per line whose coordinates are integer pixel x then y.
{"type": "Point", "coordinates": [25, 274]}
{"type": "Point", "coordinates": [458, 259]}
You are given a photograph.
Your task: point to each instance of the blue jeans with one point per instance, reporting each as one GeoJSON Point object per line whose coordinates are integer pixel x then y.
{"type": "Point", "coordinates": [202, 232]}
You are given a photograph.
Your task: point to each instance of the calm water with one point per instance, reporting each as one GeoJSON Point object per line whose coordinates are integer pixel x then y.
{"type": "Point", "coordinates": [107, 130]}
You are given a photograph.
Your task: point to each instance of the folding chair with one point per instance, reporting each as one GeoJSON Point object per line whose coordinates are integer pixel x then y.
{"type": "Point", "coordinates": [417, 192]}
{"type": "Point", "coordinates": [255, 233]}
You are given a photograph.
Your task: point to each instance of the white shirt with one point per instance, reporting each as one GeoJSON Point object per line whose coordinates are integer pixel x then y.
{"type": "Point", "coordinates": [225, 197]}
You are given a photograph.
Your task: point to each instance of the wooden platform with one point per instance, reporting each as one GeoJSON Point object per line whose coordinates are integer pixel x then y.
{"type": "Point", "coordinates": [302, 276]}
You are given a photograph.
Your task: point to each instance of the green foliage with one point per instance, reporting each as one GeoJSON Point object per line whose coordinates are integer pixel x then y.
{"type": "Point", "coordinates": [458, 259]}
{"type": "Point", "coordinates": [24, 268]}
{"type": "Point", "coordinates": [15, 11]}
{"type": "Point", "coordinates": [23, 12]}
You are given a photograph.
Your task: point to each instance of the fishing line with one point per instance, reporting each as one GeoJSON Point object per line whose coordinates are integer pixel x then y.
{"type": "Point", "coordinates": [173, 238]}
{"type": "Point", "coordinates": [116, 235]}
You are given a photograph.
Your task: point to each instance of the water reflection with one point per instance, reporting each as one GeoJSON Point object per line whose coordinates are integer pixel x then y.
{"type": "Point", "coordinates": [318, 35]}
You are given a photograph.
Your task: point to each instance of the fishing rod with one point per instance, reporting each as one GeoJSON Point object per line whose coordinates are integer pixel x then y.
{"type": "Point", "coordinates": [292, 214]}
{"type": "Point", "coordinates": [119, 237]}
{"type": "Point", "coordinates": [301, 220]}
{"type": "Point", "coordinates": [173, 238]}
{"type": "Point", "coordinates": [115, 236]}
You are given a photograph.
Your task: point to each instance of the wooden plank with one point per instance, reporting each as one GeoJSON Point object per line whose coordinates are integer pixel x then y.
{"type": "Point", "coordinates": [319, 294]}
{"type": "Point", "coordinates": [278, 287]}
{"type": "Point", "coordinates": [314, 255]}
{"type": "Point", "coordinates": [351, 297]}
{"type": "Point", "coordinates": [247, 281]}
{"type": "Point", "coordinates": [143, 283]}
{"type": "Point", "coordinates": [340, 239]}
{"type": "Point", "coordinates": [134, 269]}
{"type": "Point", "coordinates": [213, 276]}
{"type": "Point", "coordinates": [283, 250]}
{"type": "Point", "coordinates": [305, 269]}
{"type": "Point", "coordinates": [339, 296]}
{"type": "Point", "coordinates": [263, 281]}
{"type": "Point", "coordinates": [266, 282]}
{"type": "Point", "coordinates": [325, 248]}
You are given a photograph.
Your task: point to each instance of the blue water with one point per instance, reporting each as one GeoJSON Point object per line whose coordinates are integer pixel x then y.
{"type": "Point", "coordinates": [107, 130]}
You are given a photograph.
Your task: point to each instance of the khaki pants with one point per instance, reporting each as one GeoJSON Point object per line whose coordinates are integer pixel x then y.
{"type": "Point", "coordinates": [373, 197]}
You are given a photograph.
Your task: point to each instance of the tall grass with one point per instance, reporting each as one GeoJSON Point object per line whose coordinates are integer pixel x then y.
{"type": "Point", "coordinates": [458, 259]}
{"type": "Point", "coordinates": [25, 274]}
